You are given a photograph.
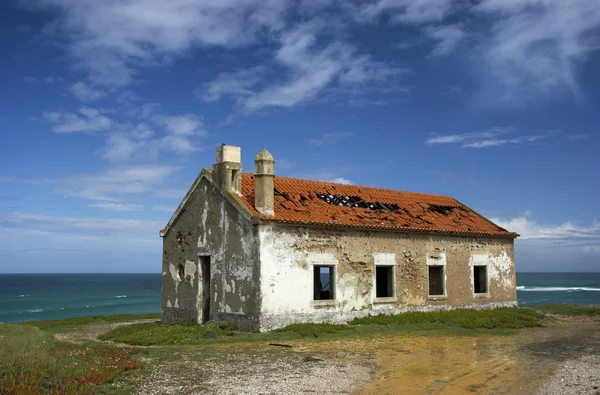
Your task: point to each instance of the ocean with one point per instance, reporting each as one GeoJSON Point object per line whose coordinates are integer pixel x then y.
{"type": "Point", "coordinates": [29, 297]}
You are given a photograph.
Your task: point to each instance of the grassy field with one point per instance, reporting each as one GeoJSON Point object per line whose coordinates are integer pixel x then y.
{"type": "Point", "coordinates": [156, 333]}
{"type": "Point", "coordinates": [32, 361]}
{"type": "Point", "coordinates": [77, 322]}
{"type": "Point", "coordinates": [570, 309]}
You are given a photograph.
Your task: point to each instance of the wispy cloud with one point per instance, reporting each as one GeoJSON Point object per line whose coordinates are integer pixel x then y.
{"type": "Point", "coordinates": [534, 47]}
{"type": "Point", "coordinates": [69, 229]}
{"type": "Point", "coordinates": [84, 92]}
{"type": "Point", "coordinates": [414, 12]}
{"type": "Point", "coordinates": [116, 183]}
{"type": "Point", "coordinates": [236, 84]}
{"type": "Point", "coordinates": [169, 209]}
{"type": "Point", "coordinates": [118, 206]}
{"type": "Point", "coordinates": [568, 234]}
{"type": "Point", "coordinates": [448, 38]}
{"type": "Point", "coordinates": [309, 68]}
{"type": "Point", "coordinates": [111, 38]}
{"type": "Point", "coordinates": [88, 120]}
{"type": "Point", "coordinates": [330, 137]}
{"type": "Point", "coordinates": [488, 138]}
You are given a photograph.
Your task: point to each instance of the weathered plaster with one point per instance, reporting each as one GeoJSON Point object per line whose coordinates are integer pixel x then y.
{"type": "Point", "coordinates": [210, 225]}
{"type": "Point", "coordinates": [288, 254]}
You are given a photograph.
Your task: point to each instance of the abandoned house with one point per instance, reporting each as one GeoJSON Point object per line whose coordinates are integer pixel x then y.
{"type": "Point", "coordinates": [265, 251]}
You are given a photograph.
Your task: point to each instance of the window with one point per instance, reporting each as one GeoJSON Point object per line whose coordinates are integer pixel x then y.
{"type": "Point", "coordinates": [324, 283]}
{"type": "Point", "coordinates": [384, 281]}
{"type": "Point", "coordinates": [436, 280]}
{"type": "Point", "coordinates": [480, 279]}
{"type": "Point", "coordinates": [181, 272]}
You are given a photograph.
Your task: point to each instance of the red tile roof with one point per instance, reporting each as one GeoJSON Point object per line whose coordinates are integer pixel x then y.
{"type": "Point", "coordinates": [307, 202]}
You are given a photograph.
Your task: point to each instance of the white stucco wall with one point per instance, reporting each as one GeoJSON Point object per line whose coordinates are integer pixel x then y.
{"type": "Point", "coordinates": [286, 279]}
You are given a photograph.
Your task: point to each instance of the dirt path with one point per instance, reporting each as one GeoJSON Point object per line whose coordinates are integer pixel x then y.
{"type": "Point", "coordinates": [91, 332]}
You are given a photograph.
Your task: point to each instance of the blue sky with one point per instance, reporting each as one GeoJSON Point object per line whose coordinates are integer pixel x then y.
{"type": "Point", "coordinates": [111, 108]}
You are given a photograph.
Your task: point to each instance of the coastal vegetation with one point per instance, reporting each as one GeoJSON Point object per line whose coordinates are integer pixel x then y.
{"type": "Point", "coordinates": [35, 359]}
{"type": "Point", "coordinates": [34, 362]}
{"type": "Point", "coordinates": [570, 309]}
{"type": "Point", "coordinates": [156, 333]}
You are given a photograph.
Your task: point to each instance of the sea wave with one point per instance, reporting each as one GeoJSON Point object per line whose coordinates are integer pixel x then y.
{"type": "Point", "coordinates": [34, 310]}
{"type": "Point", "coordinates": [557, 289]}
{"type": "Point", "coordinates": [120, 296]}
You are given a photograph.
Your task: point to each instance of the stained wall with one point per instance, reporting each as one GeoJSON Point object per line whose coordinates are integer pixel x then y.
{"type": "Point", "coordinates": [210, 225]}
{"type": "Point", "coordinates": [289, 253]}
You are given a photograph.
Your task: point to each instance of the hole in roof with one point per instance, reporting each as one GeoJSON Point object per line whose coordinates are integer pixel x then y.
{"type": "Point", "coordinates": [444, 210]}
{"type": "Point", "coordinates": [356, 202]}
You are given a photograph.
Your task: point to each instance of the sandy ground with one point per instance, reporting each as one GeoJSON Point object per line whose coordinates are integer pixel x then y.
{"type": "Point", "coordinates": [563, 358]}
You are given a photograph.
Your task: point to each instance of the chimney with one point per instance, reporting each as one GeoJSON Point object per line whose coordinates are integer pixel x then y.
{"type": "Point", "coordinates": [227, 172]}
{"type": "Point", "coordinates": [263, 183]}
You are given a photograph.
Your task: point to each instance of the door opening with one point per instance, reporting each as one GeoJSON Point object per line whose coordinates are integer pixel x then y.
{"type": "Point", "coordinates": [205, 268]}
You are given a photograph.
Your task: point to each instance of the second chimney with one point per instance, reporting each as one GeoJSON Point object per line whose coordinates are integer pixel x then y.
{"type": "Point", "coordinates": [264, 189]}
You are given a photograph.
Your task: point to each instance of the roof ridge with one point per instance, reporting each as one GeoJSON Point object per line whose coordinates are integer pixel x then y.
{"type": "Point", "coordinates": [359, 186]}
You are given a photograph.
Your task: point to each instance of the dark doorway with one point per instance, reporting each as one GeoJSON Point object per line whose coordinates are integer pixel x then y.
{"type": "Point", "coordinates": [205, 268]}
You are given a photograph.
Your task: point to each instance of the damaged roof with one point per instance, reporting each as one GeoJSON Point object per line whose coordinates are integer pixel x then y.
{"type": "Point", "coordinates": [306, 202]}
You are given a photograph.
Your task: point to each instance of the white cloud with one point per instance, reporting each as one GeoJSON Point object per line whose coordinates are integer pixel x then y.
{"type": "Point", "coordinates": [110, 38]}
{"type": "Point", "coordinates": [74, 230]}
{"type": "Point", "coordinates": [169, 209]}
{"type": "Point", "coordinates": [84, 92]}
{"type": "Point", "coordinates": [535, 46]}
{"type": "Point", "coordinates": [409, 11]}
{"type": "Point", "coordinates": [569, 233]}
{"type": "Point", "coordinates": [342, 180]}
{"type": "Point", "coordinates": [118, 206]}
{"type": "Point", "coordinates": [488, 138]}
{"type": "Point", "coordinates": [448, 37]}
{"type": "Point", "coordinates": [88, 120]}
{"type": "Point", "coordinates": [182, 132]}
{"type": "Point", "coordinates": [115, 183]}
{"type": "Point", "coordinates": [131, 145]}
{"type": "Point", "coordinates": [330, 138]}
{"type": "Point", "coordinates": [312, 68]}
{"type": "Point", "coordinates": [236, 83]}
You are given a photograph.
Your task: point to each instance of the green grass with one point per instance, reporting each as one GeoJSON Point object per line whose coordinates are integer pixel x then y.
{"type": "Point", "coordinates": [76, 322]}
{"type": "Point", "coordinates": [152, 333]}
{"type": "Point", "coordinates": [33, 362]}
{"type": "Point", "coordinates": [313, 330]}
{"type": "Point", "coordinates": [570, 309]}
{"type": "Point", "coordinates": [164, 334]}
{"type": "Point", "coordinates": [502, 318]}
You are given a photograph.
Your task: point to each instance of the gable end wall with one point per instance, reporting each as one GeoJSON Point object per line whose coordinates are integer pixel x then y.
{"type": "Point", "coordinates": [210, 225]}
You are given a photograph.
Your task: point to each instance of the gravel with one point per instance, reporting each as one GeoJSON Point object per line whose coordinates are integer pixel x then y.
{"type": "Point", "coordinates": [577, 376]}
{"type": "Point", "coordinates": [262, 371]}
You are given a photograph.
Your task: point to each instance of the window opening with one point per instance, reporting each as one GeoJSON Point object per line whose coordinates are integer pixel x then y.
{"type": "Point", "coordinates": [323, 282]}
{"type": "Point", "coordinates": [384, 281]}
{"type": "Point", "coordinates": [436, 280]}
{"type": "Point", "coordinates": [480, 279]}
